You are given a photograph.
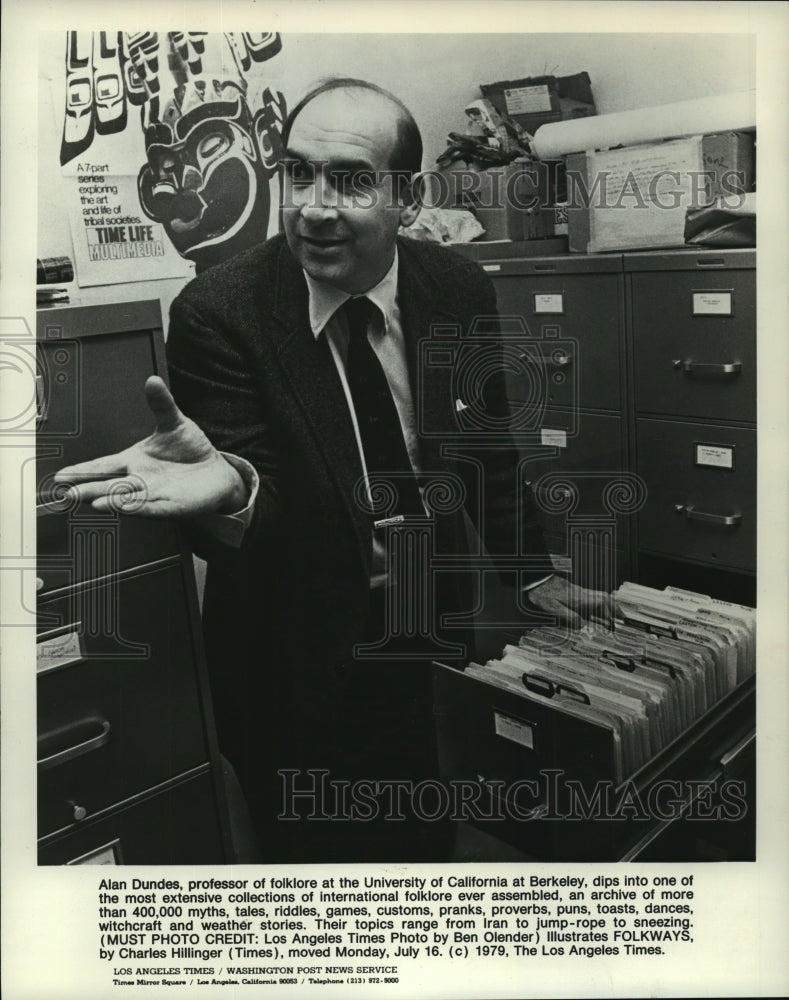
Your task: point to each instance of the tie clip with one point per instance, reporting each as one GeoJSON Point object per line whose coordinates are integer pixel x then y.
{"type": "Point", "coordinates": [395, 519]}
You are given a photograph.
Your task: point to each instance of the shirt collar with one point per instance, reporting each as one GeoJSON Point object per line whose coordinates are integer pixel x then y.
{"type": "Point", "coordinates": [325, 299]}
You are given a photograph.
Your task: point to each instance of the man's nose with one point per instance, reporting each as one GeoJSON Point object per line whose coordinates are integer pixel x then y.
{"type": "Point", "coordinates": [317, 202]}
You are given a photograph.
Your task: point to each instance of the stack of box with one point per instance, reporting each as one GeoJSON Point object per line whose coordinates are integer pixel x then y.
{"type": "Point", "coordinates": [513, 201]}
{"type": "Point", "coordinates": [637, 197]}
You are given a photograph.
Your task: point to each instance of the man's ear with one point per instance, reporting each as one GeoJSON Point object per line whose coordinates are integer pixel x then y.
{"type": "Point", "coordinates": [411, 199]}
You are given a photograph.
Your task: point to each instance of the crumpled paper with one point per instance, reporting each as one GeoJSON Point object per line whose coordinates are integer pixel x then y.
{"type": "Point", "coordinates": [444, 225]}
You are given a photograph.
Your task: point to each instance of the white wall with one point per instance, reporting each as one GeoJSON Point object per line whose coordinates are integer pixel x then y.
{"type": "Point", "coordinates": [435, 75]}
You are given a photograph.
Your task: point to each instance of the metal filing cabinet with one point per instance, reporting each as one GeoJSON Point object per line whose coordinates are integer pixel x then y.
{"type": "Point", "coordinates": [572, 308]}
{"type": "Point", "coordinates": [667, 399]}
{"type": "Point", "coordinates": [127, 762]}
{"type": "Point", "coordinates": [693, 349]}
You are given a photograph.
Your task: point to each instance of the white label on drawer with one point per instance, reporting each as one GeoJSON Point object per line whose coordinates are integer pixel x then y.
{"type": "Point", "coordinates": [716, 455]}
{"type": "Point", "coordinates": [712, 303]}
{"type": "Point", "coordinates": [59, 651]}
{"type": "Point", "coordinates": [101, 856]}
{"type": "Point", "coordinates": [515, 730]}
{"type": "Point", "coordinates": [491, 267]}
{"type": "Point", "coordinates": [527, 100]}
{"type": "Point", "coordinates": [557, 439]}
{"type": "Point", "coordinates": [548, 302]}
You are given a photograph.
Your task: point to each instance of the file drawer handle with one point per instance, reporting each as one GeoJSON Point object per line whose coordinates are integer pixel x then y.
{"type": "Point", "coordinates": [725, 520]}
{"type": "Point", "coordinates": [699, 368]}
{"type": "Point", "coordinates": [93, 742]}
{"type": "Point", "coordinates": [731, 756]}
{"type": "Point", "coordinates": [41, 398]}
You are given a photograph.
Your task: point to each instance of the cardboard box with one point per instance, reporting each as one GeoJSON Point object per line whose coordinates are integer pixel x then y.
{"type": "Point", "coordinates": [534, 101]}
{"type": "Point", "coordinates": [636, 197]}
{"type": "Point", "coordinates": [511, 202]}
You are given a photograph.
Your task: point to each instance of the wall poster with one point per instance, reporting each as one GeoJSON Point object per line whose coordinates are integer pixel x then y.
{"type": "Point", "coordinates": [205, 129]}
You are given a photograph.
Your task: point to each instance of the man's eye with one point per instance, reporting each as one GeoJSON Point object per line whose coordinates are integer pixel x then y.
{"type": "Point", "coordinates": [341, 180]}
{"type": "Point", "coordinates": [300, 173]}
{"type": "Point", "coordinates": [351, 182]}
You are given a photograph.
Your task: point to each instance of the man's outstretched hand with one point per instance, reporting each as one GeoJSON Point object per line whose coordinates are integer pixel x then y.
{"type": "Point", "coordinates": [176, 472]}
{"type": "Point", "coordinates": [571, 605]}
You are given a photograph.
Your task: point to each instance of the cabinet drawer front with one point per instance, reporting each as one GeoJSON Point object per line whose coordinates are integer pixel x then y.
{"type": "Point", "coordinates": [695, 343]}
{"type": "Point", "coordinates": [586, 452]}
{"type": "Point", "coordinates": [575, 320]}
{"type": "Point", "coordinates": [701, 492]}
{"type": "Point", "coordinates": [83, 544]}
{"type": "Point", "coordinates": [91, 400]}
{"type": "Point", "coordinates": [118, 701]}
{"type": "Point", "coordinates": [176, 826]}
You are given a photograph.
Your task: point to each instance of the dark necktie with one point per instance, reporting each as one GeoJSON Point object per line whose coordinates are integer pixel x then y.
{"type": "Point", "coordinates": [384, 448]}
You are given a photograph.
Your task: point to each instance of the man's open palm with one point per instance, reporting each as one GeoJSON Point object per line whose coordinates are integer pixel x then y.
{"type": "Point", "coordinates": [175, 472]}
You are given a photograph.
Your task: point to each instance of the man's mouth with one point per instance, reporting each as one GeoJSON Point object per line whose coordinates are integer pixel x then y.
{"type": "Point", "coordinates": [322, 242]}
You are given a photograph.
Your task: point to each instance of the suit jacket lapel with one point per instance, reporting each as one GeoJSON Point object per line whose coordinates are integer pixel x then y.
{"type": "Point", "coordinates": [423, 314]}
{"type": "Point", "coordinates": [309, 366]}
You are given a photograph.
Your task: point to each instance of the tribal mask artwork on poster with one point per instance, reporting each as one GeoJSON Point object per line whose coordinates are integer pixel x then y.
{"type": "Point", "coordinates": [212, 137]}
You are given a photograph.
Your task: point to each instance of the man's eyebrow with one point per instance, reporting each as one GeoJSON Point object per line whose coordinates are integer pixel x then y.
{"type": "Point", "coordinates": [291, 154]}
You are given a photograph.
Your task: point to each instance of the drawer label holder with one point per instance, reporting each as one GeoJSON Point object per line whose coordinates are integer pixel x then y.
{"type": "Point", "coordinates": [715, 456]}
{"type": "Point", "coordinates": [548, 303]}
{"type": "Point", "coordinates": [514, 730]}
{"type": "Point", "coordinates": [550, 437]}
{"type": "Point", "coordinates": [713, 303]}
{"type": "Point", "coordinates": [62, 649]}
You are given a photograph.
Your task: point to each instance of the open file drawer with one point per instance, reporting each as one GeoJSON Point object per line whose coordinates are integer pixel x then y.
{"type": "Point", "coordinates": [544, 781]}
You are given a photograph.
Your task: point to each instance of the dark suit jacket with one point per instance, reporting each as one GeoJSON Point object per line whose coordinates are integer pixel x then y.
{"type": "Point", "coordinates": [245, 365]}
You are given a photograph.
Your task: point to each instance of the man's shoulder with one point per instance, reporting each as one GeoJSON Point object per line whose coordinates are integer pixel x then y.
{"type": "Point", "coordinates": [443, 263]}
{"type": "Point", "coordinates": [249, 274]}
{"type": "Point", "coordinates": [440, 259]}
{"type": "Point", "coordinates": [445, 275]}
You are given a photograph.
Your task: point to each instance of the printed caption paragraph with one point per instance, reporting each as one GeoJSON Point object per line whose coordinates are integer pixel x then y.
{"type": "Point", "coordinates": [291, 930]}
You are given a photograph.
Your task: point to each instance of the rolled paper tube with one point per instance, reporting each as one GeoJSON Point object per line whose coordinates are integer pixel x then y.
{"type": "Point", "coordinates": [701, 116]}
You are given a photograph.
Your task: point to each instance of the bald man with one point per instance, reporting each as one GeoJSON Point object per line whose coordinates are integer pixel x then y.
{"type": "Point", "coordinates": [295, 367]}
